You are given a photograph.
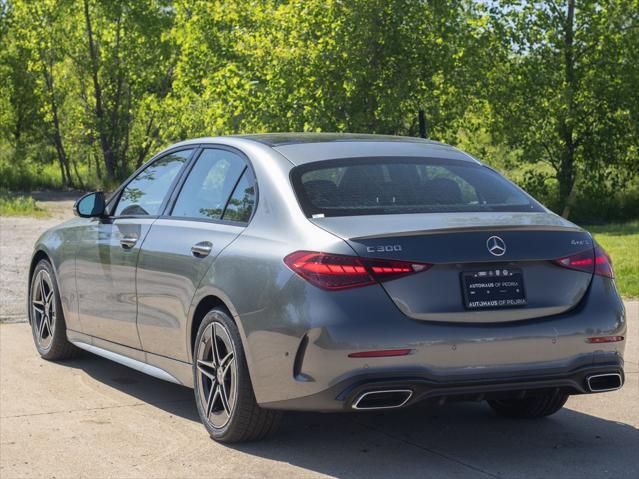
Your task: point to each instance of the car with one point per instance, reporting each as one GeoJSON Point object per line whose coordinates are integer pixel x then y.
{"type": "Point", "coordinates": [331, 273]}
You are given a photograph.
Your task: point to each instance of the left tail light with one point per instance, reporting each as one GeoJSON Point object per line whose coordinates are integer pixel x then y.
{"type": "Point", "coordinates": [593, 262]}
{"type": "Point", "coordinates": [334, 271]}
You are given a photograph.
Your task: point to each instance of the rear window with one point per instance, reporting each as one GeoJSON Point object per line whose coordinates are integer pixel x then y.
{"type": "Point", "coordinates": [376, 186]}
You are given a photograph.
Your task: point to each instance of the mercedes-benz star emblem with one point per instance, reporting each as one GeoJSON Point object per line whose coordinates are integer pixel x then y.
{"type": "Point", "coordinates": [496, 246]}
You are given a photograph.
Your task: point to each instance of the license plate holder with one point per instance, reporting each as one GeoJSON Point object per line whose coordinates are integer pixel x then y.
{"type": "Point", "coordinates": [494, 289]}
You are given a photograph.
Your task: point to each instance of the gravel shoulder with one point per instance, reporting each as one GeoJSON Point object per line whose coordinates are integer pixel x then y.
{"type": "Point", "coordinates": [17, 237]}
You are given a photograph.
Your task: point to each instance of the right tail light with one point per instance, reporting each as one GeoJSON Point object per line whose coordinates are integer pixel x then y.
{"type": "Point", "coordinates": [595, 261]}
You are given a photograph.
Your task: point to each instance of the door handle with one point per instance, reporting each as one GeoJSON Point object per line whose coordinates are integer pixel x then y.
{"type": "Point", "coordinates": [128, 241]}
{"type": "Point", "coordinates": [202, 249]}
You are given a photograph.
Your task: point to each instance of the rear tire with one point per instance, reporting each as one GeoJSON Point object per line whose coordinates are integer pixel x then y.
{"type": "Point", "coordinates": [48, 327]}
{"type": "Point", "coordinates": [532, 407]}
{"type": "Point", "coordinates": [223, 391]}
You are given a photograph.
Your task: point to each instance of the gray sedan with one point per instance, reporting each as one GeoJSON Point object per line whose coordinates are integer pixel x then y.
{"type": "Point", "coordinates": [330, 272]}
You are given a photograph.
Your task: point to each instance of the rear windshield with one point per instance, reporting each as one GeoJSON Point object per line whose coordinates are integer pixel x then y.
{"type": "Point", "coordinates": [376, 186]}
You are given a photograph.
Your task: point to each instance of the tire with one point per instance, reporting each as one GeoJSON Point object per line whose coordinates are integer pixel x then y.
{"type": "Point", "coordinates": [529, 408]}
{"type": "Point", "coordinates": [223, 391]}
{"type": "Point", "coordinates": [48, 327]}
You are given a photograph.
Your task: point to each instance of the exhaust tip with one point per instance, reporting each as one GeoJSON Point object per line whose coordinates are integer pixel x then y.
{"type": "Point", "coordinates": [598, 383]}
{"type": "Point", "coordinates": [384, 399]}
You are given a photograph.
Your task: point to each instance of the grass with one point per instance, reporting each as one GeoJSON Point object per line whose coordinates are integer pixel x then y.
{"type": "Point", "coordinates": [19, 206]}
{"type": "Point", "coordinates": [621, 241]}
{"type": "Point", "coordinates": [33, 176]}
{"type": "Point", "coordinates": [16, 176]}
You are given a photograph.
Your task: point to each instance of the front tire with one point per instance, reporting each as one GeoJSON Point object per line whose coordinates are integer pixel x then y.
{"type": "Point", "coordinates": [46, 317]}
{"type": "Point", "coordinates": [530, 408]}
{"type": "Point", "coordinates": [223, 391]}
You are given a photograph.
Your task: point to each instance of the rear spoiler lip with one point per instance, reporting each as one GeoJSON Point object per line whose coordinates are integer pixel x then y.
{"type": "Point", "coordinates": [467, 229]}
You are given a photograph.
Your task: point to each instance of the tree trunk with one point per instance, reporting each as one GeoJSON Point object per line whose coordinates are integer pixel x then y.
{"type": "Point", "coordinates": [77, 173]}
{"type": "Point", "coordinates": [149, 135]}
{"type": "Point", "coordinates": [106, 146]}
{"type": "Point", "coordinates": [59, 146]}
{"type": "Point", "coordinates": [98, 170]}
{"type": "Point", "coordinates": [566, 171]}
{"type": "Point", "coordinates": [65, 173]}
{"type": "Point", "coordinates": [566, 174]}
{"type": "Point", "coordinates": [124, 146]}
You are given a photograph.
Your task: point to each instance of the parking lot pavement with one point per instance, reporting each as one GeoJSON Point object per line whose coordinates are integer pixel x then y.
{"type": "Point", "coordinates": [93, 418]}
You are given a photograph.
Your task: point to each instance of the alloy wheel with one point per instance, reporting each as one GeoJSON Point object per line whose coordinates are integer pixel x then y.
{"type": "Point", "coordinates": [43, 309]}
{"type": "Point", "coordinates": [217, 374]}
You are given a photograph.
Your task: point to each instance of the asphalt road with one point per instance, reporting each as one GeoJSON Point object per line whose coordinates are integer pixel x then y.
{"type": "Point", "coordinates": [93, 418]}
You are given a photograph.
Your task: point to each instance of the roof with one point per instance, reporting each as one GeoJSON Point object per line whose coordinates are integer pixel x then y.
{"type": "Point", "coordinates": [300, 148]}
{"type": "Point", "coordinates": [280, 139]}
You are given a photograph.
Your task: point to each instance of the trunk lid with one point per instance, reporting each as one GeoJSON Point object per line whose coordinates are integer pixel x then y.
{"type": "Point", "coordinates": [458, 245]}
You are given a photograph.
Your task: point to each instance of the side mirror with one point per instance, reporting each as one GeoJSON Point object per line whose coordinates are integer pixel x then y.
{"type": "Point", "coordinates": [90, 205]}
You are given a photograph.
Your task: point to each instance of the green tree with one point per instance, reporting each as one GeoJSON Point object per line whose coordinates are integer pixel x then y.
{"type": "Point", "coordinates": [35, 52]}
{"type": "Point", "coordinates": [19, 112]}
{"type": "Point", "coordinates": [547, 91]}
{"type": "Point", "coordinates": [557, 90]}
{"type": "Point", "coordinates": [121, 59]}
{"type": "Point", "coordinates": [363, 65]}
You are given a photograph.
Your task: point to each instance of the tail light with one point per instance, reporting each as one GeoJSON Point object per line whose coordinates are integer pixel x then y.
{"type": "Point", "coordinates": [597, 262]}
{"type": "Point", "coordinates": [334, 271]}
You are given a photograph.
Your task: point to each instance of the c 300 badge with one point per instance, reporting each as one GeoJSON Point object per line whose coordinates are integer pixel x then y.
{"type": "Point", "coordinates": [386, 248]}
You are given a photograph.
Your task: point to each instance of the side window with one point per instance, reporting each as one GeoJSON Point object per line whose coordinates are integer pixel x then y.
{"type": "Point", "coordinates": [209, 185]}
{"type": "Point", "coordinates": [145, 193]}
{"type": "Point", "coordinates": [242, 200]}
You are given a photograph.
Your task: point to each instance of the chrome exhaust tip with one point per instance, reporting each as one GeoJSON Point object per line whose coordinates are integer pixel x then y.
{"type": "Point", "coordinates": [598, 383]}
{"type": "Point", "coordinates": [383, 399]}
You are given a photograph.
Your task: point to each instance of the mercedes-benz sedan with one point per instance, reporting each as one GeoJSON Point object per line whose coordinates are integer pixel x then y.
{"type": "Point", "coordinates": [330, 272]}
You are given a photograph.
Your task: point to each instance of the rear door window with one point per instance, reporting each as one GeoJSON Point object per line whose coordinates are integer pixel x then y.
{"type": "Point", "coordinates": [404, 185]}
{"type": "Point", "coordinates": [209, 185]}
{"type": "Point", "coordinates": [242, 202]}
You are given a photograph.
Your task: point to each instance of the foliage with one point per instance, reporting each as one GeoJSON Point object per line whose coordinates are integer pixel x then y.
{"type": "Point", "coordinates": [565, 91]}
{"type": "Point", "coordinates": [80, 78]}
{"type": "Point", "coordinates": [545, 91]}
{"type": "Point", "coordinates": [621, 241]}
{"type": "Point", "coordinates": [316, 66]}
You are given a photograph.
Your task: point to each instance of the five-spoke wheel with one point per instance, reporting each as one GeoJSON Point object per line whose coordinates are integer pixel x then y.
{"type": "Point", "coordinates": [218, 373]}
{"type": "Point", "coordinates": [43, 309]}
{"type": "Point", "coordinates": [45, 315]}
{"type": "Point", "coordinates": [223, 390]}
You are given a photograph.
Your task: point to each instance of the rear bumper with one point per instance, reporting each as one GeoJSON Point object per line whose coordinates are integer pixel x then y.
{"type": "Point", "coordinates": [344, 395]}
{"type": "Point", "coordinates": [303, 363]}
